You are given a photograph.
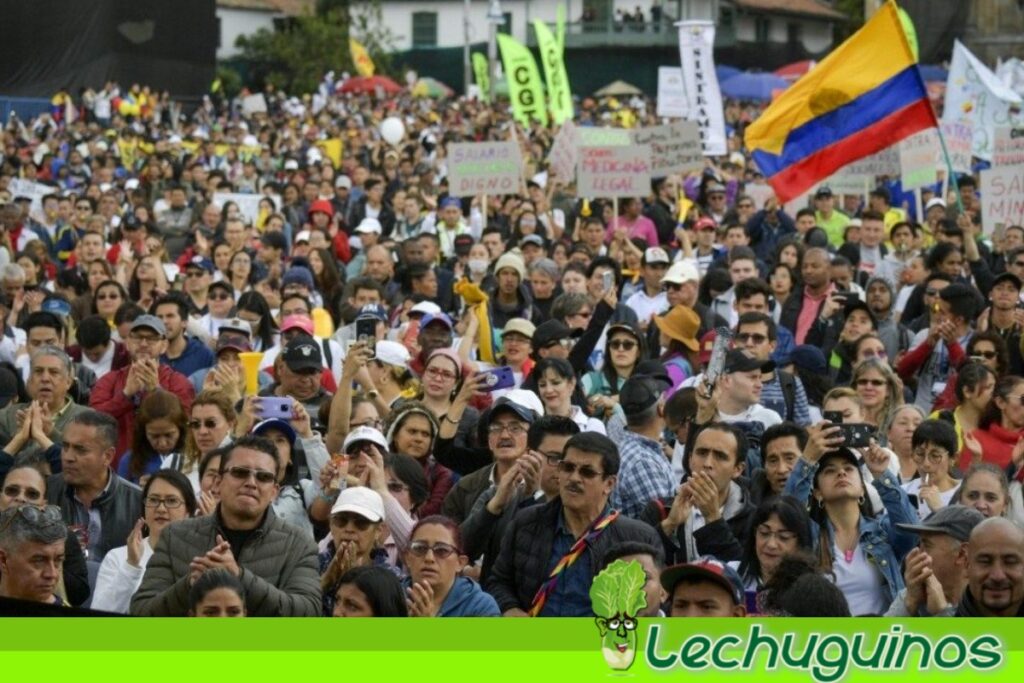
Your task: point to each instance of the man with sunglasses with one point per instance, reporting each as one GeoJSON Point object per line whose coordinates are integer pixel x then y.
{"type": "Point", "coordinates": [782, 392]}
{"type": "Point", "coordinates": [550, 553]}
{"type": "Point", "coordinates": [198, 275]}
{"type": "Point", "coordinates": [276, 563]}
{"type": "Point", "coordinates": [32, 542]}
{"type": "Point", "coordinates": [120, 392]}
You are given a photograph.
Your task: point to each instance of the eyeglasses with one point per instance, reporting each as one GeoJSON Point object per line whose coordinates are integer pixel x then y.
{"type": "Point", "coordinates": [13, 491]}
{"type": "Point", "coordinates": [934, 455]}
{"type": "Point", "coordinates": [586, 471]}
{"type": "Point", "coordinates": [622, 344]}
{"type": "Point", "coordinates": [750, 337]}
{"type": "Point", "coordinates": [935, 292]}
{"type": "Point", "coordinates": [343, 519]}
{"type": "Point", "coordinates": [438, 373]}
{"type": "Point", "coordinates": [744, 205]}
{"type": "Point", "coordinates": [397, 487]}
{"type": "Point", "coordinates": [442, 551]}
{"type": "Point", "coordinates": [672, 287]}
{"type": "Point", "coordinates": [766, 534]}
{"type": "Point", "coordinates": [47, 516]}
{"type": "Point", "coordinates": [553, 458]}
{"type": "Point", "coordinates": [84, 207]}
{"type": "Point", "coordinates": [871, 382]}
{"type": "Point", "coordinates": [244, 473]}
{"type": "Point", "coordinates": [513, 429]}
{"type": "Point", "coordinates": [199, 424]}
{"type": "Point", "coordinates": [145, 339]}
{"type": "Point", "coordinates": [195, 273]}
{"type": "Point", "coordinates": [988, 355]}
{"type": "Point", "coordinates": [171, 502]}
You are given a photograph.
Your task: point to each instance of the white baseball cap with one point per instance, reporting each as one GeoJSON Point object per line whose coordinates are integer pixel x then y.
{"type": "Point", "coordinates": [361, 500]}
{"type": "Point", "coordinates": [371, 434]}
{"type": "Point", "coordinates": [236, 325]}
{"type": "Point", "coordinates": [392, 353]}
{"type": "Point", "coordinates": [291, 165]}
{"type": "Point", "coordinates": [681, 272]}
{"type": "Point", "coordinates": [426, 308]}
{"type": "Point", "coordinates": [369, 225]}
{"type": "Point", "coordinates": [303, 236]}
{"type": "Point", "coordinates": [527, 399]}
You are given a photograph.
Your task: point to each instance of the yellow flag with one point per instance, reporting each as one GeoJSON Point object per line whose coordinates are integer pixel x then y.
{"type": "Point", "coordinates": [559, 97]}
{"type": "Point", "coordinates": [524, 85]}
{"type": "Point", "coordinates": [360, 58]}
{"type": "Point", "coordinates": [332, 149]}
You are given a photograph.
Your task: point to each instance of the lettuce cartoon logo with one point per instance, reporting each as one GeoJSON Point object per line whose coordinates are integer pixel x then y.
{"type": "Point", "coordinates": [617, 596]}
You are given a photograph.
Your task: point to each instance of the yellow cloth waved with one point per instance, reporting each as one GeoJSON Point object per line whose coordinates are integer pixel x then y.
{"type": "Point", "coordinates": [475, 297]}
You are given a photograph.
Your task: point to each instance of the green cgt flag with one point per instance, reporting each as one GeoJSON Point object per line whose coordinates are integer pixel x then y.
{"type": "Point", "coordinates": [483, 79]}
{"type": "Point", "coordinates": [554, 73]}
{"type": "Point", "coordinates": [524, 84]}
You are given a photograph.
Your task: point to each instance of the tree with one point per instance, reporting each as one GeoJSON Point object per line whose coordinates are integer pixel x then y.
{"type": "Point", "coordinates": [854, 9]}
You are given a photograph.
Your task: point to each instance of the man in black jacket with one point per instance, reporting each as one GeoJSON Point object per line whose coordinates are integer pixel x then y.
{"type": "Point", "coordinates": [711, 511]}
{"type": "Point", "coordinates": [578, 526]}
{"type": "Point", "coordinates": [99, 506]}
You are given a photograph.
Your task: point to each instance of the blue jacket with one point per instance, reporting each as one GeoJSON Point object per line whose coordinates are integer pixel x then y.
{"type": "Point", "coordinates": [764, 236]}
{"type": "Point", "coordinates": [884, 544]}
{"type": "Point", "coordinates": [196, 356]}
{"type": "Point", "coordinates": [465, 599]}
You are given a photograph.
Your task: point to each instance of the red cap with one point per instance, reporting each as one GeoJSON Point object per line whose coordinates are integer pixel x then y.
{"type": "Point", "coordinates": [707, 342]}
{"type": "Point", "coordinates": [323, 206]}
{"type": "Point", "coordinates": [704, 224]}
{"type": "Point", "coordinates": [297, 321]}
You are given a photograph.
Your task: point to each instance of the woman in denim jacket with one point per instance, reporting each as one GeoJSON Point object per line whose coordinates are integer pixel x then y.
{"type": "Point", "coordinates": [861, 550]}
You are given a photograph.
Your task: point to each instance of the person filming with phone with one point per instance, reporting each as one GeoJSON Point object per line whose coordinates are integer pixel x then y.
{"type": "Point", "coordinates": [298, 371]}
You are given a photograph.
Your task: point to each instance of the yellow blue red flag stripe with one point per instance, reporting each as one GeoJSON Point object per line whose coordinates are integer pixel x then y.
{"type": "Point", "coordinates": [865, 96]}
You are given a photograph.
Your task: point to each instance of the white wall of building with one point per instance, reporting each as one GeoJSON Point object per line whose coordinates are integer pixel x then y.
{"type": "Point", "coordinates": [239, 22]}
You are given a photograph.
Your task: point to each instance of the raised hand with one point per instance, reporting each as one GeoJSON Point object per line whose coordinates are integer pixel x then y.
{"type": "Point", "coordinates": [421, 600]}
{"type": "Point", "coordinates": [134, 544]}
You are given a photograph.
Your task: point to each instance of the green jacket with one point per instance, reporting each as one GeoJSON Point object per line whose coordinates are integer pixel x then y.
{"type": "Point", "coordinates": [279, 566]}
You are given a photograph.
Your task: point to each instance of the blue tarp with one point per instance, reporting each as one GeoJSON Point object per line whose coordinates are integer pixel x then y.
{"type": "Point", "coordinates": [753, 86]}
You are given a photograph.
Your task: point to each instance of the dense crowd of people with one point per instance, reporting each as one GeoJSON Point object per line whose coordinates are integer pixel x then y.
{"type": "Point", "coordinates": [470, 406]}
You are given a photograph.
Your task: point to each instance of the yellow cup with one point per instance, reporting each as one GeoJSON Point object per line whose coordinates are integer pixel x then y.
{"type": "Point", "coordinates": [323, 326]}
{"type": "Point", "coordinates": [251, 364]}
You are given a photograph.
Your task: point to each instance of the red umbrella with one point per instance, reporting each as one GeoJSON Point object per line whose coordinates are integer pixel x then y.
{"type": "Point", "coordinates": [792, 72]}
{"type": "Point", "coordinates": [370, 84]}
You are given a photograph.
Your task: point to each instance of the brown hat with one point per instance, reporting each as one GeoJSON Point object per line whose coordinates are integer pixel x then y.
{"type": "Point", "coordinates": [681, 324]}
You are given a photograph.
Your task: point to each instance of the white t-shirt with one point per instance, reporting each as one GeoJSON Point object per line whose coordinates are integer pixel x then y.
{"type": "Point", "coordinates": [755, 413]}
{"type": "Point", "coordinates": [913, 488]}
{"type": "Point", "coordinates": [647, 307]}
{"type": "Point", "coordinates": [103, 366]}
{"type": "Point", "coordinates": [860, 581]}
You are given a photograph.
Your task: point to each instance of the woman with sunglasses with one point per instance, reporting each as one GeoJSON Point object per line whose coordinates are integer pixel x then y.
{"type": "Point", "coordinates": [556, 383]}
{"type": "Point", "coordinates": [357, 533]}
{"type": "Point", "coordinates": [879, 389]}
{"type": "Point", "coordinates": [167, 497]}
{"type": "Point", "coordinates": [986, 347]}
{"type": "Point", "coordinates": [370, 592]}
{"type": "Point", "coordinates": [999, 438]}
{"type": "Point", "coordinates": [211, 420]}
{"type": "Point", "coordinates": [779, 527]}
{"type": "Point", "coordinates": [935, 451]}
{"type": "Point", "coordinates": [109, 296]}
{"type": "Point", "coordinates": [25, 484]}
{"type": "Point", "coordinates": [434, 587]}
{"type": "Point", "coordinates": [623, 352]}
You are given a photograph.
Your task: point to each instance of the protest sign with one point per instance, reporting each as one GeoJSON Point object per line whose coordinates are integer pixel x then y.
{"type": "Point", "coordinates": [959, 139]}
{"type": "Point", "coordinates": [696, 51]}
{"type": "Point", "coordinates": [254, 104]}
{"type": "Point", "coordinates": [614, 171]}
{"type": "Point", "coordinates": [563, 154]}
{"type": "Point", "coordinates": [248, 204]}
{"type": "Point", "coordinates": [1008, 149]}
{"type": "Point", "coordinates": [847, 183]}
{"type": "Point", "coordinates": [602, 137]}
{"type": "Point", "coordinates": [484, 168]}
{"type": "Point", "coordinates": [672, 100]}
{"type": "Point", "coordinates": [19, 187]}
{"type": "Point", "coordinates": [675, 148]}
{"type": "Point", "coordinates": [919, 155]}
{"type": "Point", "coordinates": [1002, 197]}
{"type": "Point", "coordinates": [886, 162]}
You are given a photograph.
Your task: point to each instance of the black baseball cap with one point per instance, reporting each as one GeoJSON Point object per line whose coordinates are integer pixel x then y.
{"type": "Point", "coordinates": [637, 395]}
{"type": "Point", "coordinates": [654, 369]}
{"type": "Point", "coordinates": [1008, 277]}
{"type": "Point", "coordinates": [274, 240]}
{"type": "Point", "coordinates": [738, 360]}
{"type": "Point", "coordinates": [551, 331]}
{"type": "Point", "coordinates": [303, 353]}
{"type": "Point", "coordinates": [858, 304]}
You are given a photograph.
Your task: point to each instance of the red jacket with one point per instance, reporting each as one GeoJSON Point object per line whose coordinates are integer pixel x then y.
{"type": "Point", "coordinates": [915, 359]}
{"type": "Point", "coordinates": [997, 444]}
{"type": "Point", "coordinates": [108, 396]}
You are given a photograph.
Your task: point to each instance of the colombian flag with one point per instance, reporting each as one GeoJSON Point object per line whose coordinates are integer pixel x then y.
{"type": "Point", "coordinates": [865, 96]}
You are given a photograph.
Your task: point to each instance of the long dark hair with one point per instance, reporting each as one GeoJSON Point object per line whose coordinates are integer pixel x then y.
{"type": "Point", "coordinates": [997, 341]}
{"type": "Point", "coordinates": [610, 374]}
{"type": "Point", "coordinates": [791, 514]}
{"type": "Point", "coordinates": [382, 590]}
{"type": "Point", "coordinates": [329, 281]}
{"type": "Point", "coordinates": [1004, 389]}
{"type": "Point", "coordinates": [254, 302]}
{"type": "Point", "coordinates": [407, 470]}
{"type": "Point", "coordinates": [160, 405]}
{"type": "Point", "coordinates": [178, 481]}
{"type": "Point", "coordinates": [819, 515]}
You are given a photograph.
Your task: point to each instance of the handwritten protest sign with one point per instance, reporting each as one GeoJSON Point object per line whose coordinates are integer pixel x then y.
{"type": "Point", "coordinates": [484, 168]}
{"type": "Point", "coordinates": [886, 162]}
{"type": "Point", "coordinates": [675, 148]}
{"type": "Point", "coordinates": [919, 155]}
{"type": "Point", "coordinates": [672, 100]}
{"type": "Point", "coordinates": [254, 104]}
{"type": "Point", "coordinates": [614, 171]}
{"type": "Point", "coordinates": [1002, 197]}
{"type": "Point", "coordinates": [959, 138]}
{"type": "Point", "coordinates": [248, 204]}
{"type": "Point", "coordinates": [563, 156]}
{"type": "Point", "coordinates": [1008, 147]}
{"type": "Point", "coordinates": [602, 137]}
{"type": "Point", "coordinates": [19, 187]}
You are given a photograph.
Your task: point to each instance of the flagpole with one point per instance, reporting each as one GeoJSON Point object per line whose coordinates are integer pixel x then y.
{"type": "Point", "coordinates": [949, 172]}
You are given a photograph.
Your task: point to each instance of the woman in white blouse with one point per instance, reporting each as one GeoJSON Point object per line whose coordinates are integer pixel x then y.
{"type": "Point", "coordinates": [167, 497]}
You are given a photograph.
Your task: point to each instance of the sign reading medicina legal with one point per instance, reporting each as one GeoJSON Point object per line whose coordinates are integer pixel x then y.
{"type": "Point", "coordinates": [484, 168]}
{"type": "Point", "coordinates": [616, 171]}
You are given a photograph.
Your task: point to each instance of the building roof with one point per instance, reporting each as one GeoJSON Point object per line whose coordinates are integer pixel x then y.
{"type": "Point", "coordinates": [809, 8]}
{"type": "Point", "coordinates": [294, 8]}
{"type": "Point", "coordinates": [255, 5]}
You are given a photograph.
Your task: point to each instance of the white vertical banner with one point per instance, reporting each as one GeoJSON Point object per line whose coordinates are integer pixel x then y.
{"type": "Point", "coordinates": [671, 93]}
{"type": "Point", "coordinates": [696, 51]}
{"type": "Point", "coordinates": [976, 97]}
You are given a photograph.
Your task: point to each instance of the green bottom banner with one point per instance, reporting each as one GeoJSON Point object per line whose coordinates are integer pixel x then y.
{"type": "Point", "coordinates": [818, 650]}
